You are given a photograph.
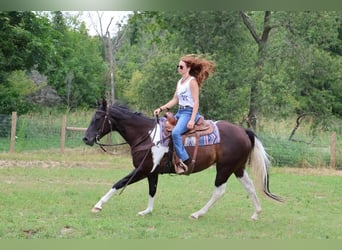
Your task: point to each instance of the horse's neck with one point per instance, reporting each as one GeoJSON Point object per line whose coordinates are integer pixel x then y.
{"type": "Point", "coordinates": [136, 133]}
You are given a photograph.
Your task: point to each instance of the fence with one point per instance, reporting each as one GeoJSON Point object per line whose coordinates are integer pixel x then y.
{"type": "Point", "coordinates": [5, 131]}
{"type": "Point", "coordinates": [32, 132]}
{"type": "Point", "coordinates": [56, 131]}
{"type": "Point", "coordinates": [64, 130]}
{"type": "Point", "coordinates": [50, 131]}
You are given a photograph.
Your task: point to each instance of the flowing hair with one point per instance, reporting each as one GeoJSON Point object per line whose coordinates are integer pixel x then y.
{"type": "Point", "coordinates": [201, 68]}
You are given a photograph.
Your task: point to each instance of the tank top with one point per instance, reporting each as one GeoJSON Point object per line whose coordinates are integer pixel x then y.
{"type": "Point", "coordinates": [184, 93]}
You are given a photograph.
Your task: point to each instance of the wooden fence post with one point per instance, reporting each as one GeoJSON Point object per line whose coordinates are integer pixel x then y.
{"type": "Point", "coordinates": [333, 151]}
{"type": "Point", "coordinates": [13, 131]}
{"type": "Point", "coordinates": [64, 129]}
{"type": "Point", "coordinates": [63, 132]}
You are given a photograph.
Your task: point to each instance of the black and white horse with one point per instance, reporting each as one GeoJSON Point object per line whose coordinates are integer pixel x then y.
{"type": "Point", "coordinates": [236, 148]}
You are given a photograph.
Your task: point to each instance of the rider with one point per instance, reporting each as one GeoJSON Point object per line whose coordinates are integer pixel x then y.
{"type": "Point", "coordinates": [193, 70]}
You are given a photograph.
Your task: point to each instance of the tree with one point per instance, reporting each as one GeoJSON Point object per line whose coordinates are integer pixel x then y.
{"type": "Point", "coordinates": [78, 69]}
{"type": "Point", "coordinates": [110, 46]}
{"type": "Point", "coordinates": [290, 63]}
{"type": "Point", "coordinates": [312, 35]}
{"type": "Point", "coordinates": [261, 40]}
{"type": "Point", "coordinates": [25, 44]}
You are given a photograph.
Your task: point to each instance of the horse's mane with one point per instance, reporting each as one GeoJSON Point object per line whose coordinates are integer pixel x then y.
{"type": "Point", "coordinates": [127, 112]}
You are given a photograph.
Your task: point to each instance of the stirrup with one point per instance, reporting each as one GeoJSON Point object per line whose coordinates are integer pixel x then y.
{"type": "Point", "coordinates": [181, 167]}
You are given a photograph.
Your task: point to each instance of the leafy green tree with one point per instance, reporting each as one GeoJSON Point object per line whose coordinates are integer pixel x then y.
{"type": "Point", "coordinates": [145, 63]}
{"type": "Point", "coordinates": [24, 45]}
{"type": "Point", "coordinates": [292, 64]}
{"type": "Point", "coordinates": [312, 35]}
{"type": "Point", "coordinates": [14, 92]}
{"type": "Point", "coordinates": [24, 41]}
{"type": "Point", "coordinates": [78, 70]}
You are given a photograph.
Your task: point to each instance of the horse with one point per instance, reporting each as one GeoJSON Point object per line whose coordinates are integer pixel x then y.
{"type": "Point", "coordinates": [238, 146]}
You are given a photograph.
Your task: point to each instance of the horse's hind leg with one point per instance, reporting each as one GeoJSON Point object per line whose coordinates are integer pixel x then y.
{"type": "Point", "coordinates": [217, 194]}
{"type": "Point", "coordinates": [249, 186]}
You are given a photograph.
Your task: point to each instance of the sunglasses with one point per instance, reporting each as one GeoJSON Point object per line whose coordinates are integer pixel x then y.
{"type": "Point", "coordinates": [180, 66]}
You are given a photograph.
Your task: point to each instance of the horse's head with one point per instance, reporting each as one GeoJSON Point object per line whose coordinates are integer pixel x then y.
{"type": "Point", "coordinates": [99, 126]}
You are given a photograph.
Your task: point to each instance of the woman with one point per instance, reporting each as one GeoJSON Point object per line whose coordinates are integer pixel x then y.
{"type": "Point", "coordinates": [193, 70]}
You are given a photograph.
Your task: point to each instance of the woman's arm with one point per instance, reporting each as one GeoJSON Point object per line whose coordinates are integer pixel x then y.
{"type": "Point", "coordinates": [195, 96]}
{"type": "Point", "coordinates": [168, 105]}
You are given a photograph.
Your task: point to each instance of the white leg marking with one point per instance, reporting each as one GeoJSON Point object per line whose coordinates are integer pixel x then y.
{"type": "Point", "coordinates": [249, 186]}
{"type": "Point", "coordinates": [158, 150]}
{"type": "Point", "coordinates": [104, 199]}
{"type": "Point", "coordinates": [217, 194]}
{"type": "Point", "coordinates": [149, 208]}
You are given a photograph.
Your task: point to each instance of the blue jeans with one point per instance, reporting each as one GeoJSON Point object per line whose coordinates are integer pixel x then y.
{"type": "Point", "coordinates": [183, 117]}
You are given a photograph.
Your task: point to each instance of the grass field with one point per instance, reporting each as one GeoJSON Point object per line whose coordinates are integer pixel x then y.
{"type": "Point", "coordinates": [47, 195]}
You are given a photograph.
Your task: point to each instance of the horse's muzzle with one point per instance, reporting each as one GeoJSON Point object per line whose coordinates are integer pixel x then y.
{"type": "Point", "coordinates": [87, 141]}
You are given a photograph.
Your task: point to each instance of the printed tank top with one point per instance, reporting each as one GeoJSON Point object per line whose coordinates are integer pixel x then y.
{"type": "Point", "coordinates": [184, 93]}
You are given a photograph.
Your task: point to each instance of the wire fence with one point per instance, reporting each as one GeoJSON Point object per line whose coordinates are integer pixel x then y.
{"type": "Point", "coordinates": [38, 132]}
{"type": "Point", "coordinates": [41, 132]}
{"type": "Point", "coordinates": [5, 132]}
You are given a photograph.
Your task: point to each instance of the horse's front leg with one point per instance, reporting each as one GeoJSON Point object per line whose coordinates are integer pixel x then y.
{"type": "Point", "coordinates": [98, 206]}
{"type": "Point", "coordinates": [133, 177]}
{"type": "Point", "coordinates": [152, 184]}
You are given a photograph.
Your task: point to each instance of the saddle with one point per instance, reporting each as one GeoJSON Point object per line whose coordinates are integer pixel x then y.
{"type": "Point", "coordinates": [202, 127]}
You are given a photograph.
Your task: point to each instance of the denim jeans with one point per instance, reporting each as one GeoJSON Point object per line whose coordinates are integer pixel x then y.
{"type": "Point", "coordinates": [183, 117]}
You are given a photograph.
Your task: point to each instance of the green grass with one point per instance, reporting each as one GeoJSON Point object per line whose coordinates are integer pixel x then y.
{"type": "Point", "coordinates": [47, 195]}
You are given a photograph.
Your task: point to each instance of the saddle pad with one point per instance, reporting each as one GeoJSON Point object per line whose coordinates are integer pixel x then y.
{"type": "Point", "coordinates": [210, 139]}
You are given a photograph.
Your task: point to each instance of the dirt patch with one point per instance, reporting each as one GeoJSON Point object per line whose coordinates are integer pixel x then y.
{"type": "Point", "coordinates": [312, 171]}
{"type": "Point", "coordinates": [50, 164]}
{"type": "Point", "coordinates": [35, 163]}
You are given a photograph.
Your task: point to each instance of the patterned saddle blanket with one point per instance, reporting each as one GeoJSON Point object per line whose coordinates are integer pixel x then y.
{"type": "Point", "coordinates": [190, 139]}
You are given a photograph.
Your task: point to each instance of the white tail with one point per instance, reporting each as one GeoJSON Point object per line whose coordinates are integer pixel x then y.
{"type": "Point", "coordinates": [260, 164]}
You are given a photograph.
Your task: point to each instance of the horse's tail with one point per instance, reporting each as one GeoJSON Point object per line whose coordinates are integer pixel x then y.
{"type": "Point", "coordinates": [260, 164]}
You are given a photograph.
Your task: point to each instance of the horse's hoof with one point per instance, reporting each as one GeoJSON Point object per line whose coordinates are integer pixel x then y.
{"type": "Point", "coordinates": [194, 216]}
{"type": "Point", "coordinates": [256, 214]}
{"type": "Point", "coordinates": [95, 210]}
{"type": "Point", "coordinates": [143, 213]}
{"type": "Point", "coordinates": [254, 218]}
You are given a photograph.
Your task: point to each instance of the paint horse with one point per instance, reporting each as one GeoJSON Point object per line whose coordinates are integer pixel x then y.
{"type": "Point", "coordinates": [236, 148]}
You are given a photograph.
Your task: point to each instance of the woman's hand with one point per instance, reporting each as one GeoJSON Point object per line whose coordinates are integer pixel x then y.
{"type": "Point", "coordinates": [191, 124]}
{"type": "Point", "coordinates": [157, 111]}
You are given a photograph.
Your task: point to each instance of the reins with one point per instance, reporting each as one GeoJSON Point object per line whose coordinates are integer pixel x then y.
{"type": "Point", "coordinates": [103, 145]}
{"type": "Point", "coordinates": [146, 147]}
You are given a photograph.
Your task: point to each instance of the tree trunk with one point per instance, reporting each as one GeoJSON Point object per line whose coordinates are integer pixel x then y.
{"type": "Point", "coordinates": [254, 102]}
{"type": "Point", "coordinates": [109, 59]}
{"type": "Point", "coordinates": [108, 51]}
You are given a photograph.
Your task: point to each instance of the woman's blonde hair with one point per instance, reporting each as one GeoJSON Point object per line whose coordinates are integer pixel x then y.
{"type": "Point", "coordinates": [200, 68]}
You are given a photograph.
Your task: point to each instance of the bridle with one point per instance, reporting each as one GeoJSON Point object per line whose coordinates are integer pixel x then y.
{"type": "Point", "coordinates": [136, 147]}
{"type": "Point", "coordinates": [100, 131]}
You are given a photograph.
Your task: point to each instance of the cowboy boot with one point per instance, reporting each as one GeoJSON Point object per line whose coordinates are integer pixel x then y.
{"type": "Point", "coordinates": [183, 167]}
